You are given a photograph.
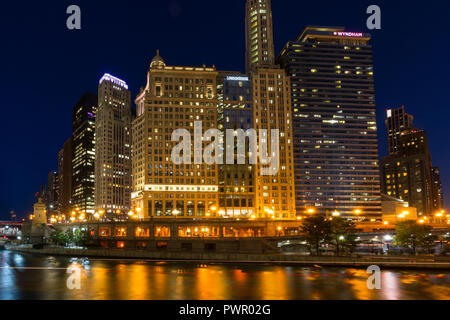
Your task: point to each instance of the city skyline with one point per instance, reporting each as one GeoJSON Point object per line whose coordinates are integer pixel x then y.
{"type": "Point", "coordinates": [87, 82]}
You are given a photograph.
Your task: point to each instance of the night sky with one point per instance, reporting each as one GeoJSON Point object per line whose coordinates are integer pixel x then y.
{"type": "Point", "coordinates": [46, 67]}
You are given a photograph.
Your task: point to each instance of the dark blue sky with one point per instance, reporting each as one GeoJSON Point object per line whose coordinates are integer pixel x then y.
{"type": "Point", "coordinates": [46, 68]}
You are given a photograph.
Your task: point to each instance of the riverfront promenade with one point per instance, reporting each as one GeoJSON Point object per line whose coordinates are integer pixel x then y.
{"type": "Point", "coordinates": [417, 262]}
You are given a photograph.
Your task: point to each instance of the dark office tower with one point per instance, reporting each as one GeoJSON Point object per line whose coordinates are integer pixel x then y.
{"type": "Point", "coordinates": [236, 181]}
{"type": "Point", "coordinates": [259, 35]}
{"type": "Point", "coordinates": [52, 188]}
{"type": "Point", "coordinates": [65, 177]}
{"type": "Point", "coordinates": [406, 175]}
{"type": "Point", "coordinates": [113, 146]}
{"type": "Point", "coordinates": [334, 121]}
{"type": "Point", "coordinates": [83, 160]}
{"type": "Point", "coordinates": [397, 121]}
{"type": "Point", "coordinates": [438, 194]}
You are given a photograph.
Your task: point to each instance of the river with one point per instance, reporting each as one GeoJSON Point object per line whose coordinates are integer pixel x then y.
{"type": "Point", "coordinates": [27, 276]}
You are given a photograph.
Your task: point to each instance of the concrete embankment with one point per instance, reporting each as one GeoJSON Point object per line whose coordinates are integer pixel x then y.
{"type": "Point", "coordinates": [425, 262]}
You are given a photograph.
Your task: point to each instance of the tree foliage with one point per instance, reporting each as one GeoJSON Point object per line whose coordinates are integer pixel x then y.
{"type": "Point", "coordinates": [413, 235]}
{"type": "Point", "coordinates": [316, 230]}
{"type": "Point", "coordinates": [343, 234]}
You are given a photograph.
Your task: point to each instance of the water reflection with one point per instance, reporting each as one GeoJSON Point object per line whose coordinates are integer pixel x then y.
{"type": "Point", "coordinates": [25, 276]}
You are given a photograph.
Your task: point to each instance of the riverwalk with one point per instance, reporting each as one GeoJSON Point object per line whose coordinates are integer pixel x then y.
{"type": "Point", "coordinates": [417, 262]}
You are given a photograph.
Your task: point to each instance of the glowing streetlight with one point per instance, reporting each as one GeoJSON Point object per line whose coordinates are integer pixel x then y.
{"type": "Point", "coordinates": [357, 211]}
{"type": "Point", "coordinates": [336, 214]}
{"type": "Point", "coordinates": [311, 211]}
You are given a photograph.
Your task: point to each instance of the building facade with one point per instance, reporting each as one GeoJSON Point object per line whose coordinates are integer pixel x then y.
{"type": "Point", "coordinates": [397, 121]}
{"type": "Point", "coordinates": [406, 175]}
{"type": "Point", "coordinates": [113, 146]}
{"type": "Point", "coordinates": [438, 193]}
{"type": "Point", "coordinates": [334, 120]}
{"type": "Point", "coordinates": [182, 98]}
{"type": "Point", "coordinates": [65, 177]}
{"type": "Point", "coordinates": [52, 191]}
{"type": "Point", "coordinates": [259, 35]}
{"type": "Point", "coordinates": [271, 104]}
{"type": "Point", "coordinates": [236, 181]}
{"type": "Point", "coordinates": [83, 159]}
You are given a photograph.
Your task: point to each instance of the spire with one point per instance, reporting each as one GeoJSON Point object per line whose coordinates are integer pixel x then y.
{"type": "Point", "coordinates": [157, 61]}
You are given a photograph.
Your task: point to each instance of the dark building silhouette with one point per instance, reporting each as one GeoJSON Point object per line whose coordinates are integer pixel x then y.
{"type": "Point", "coordinates": [438, 193]}
{"type": "Point", "coordinates": [406, 175]}
{"type": "Point", "coordinates": [83, 159]}
{"type": "Point", "coordinates": [65, 177]}
{"type": "Point", "coordinates": [397, 121]}
{"type": "Point", "coordinates": [52, 190]}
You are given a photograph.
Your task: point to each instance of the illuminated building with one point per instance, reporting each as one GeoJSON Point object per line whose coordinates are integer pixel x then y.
{"type": "Point", "coordinates": [83, 159]}
{"type": "Point", "coordinates": [275, 194]}
{"type": "Point", "coordinates": [173, 98]}
{"type": "Point", "coordinates": [113, 146]}
{"type": "Point", "coordinates": [397, 121]}
{"type": "Point", "coordinates": [271, 103]}
{"type": "Point", "coordinates": [259, 35]}
{"type": "Point", "coordinates": [406, 175]}
{"type": "Point", "coordinates": [65, 177]}
{"type": "Point", "coordinates": [438, 194]}
{"type": "Point", "coordinates": [236, 181]}
{"type": "Point", "coordinates": [334, 120]}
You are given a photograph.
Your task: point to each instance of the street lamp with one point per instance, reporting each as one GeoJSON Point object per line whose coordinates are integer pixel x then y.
{"type": "Point", "coordinates": [336, 214]}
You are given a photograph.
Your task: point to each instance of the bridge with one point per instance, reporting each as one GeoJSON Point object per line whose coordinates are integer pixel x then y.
{"type": "Point", "coordinates": [10, 229]}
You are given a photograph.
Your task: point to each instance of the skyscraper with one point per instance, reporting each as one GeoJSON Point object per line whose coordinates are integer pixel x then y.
{"type": "Point", "coordinates": [271, 104]}
{"type": "Point", "coordinates": [83, 160]}
{"type": "Point", "coordinates": [334, 120]}
{"type": "Point", "coordinates": [52, 189]}
{"type": "Point", "coordinates": [236, 181]}
{"type": "Point", "coordinates": [406, 175]}
{"type": "Point", "coordinates": [174, 98]}
{"type": "Point", "coordinates": [397, 121]}
{"type": "Point", "coordinates": [438, 194]}
{"type": "Point", "coordinates": [113, 146]}
{"type": "Point", "coordinates": [259, 35]}
{"type": "Point", "coordinates": [65, 177]}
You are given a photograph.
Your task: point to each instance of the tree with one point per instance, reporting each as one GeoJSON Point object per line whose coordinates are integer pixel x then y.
{"type": "Point", "coordinates": [79, 237]}
{"type": "Point", "coordinates": [316, 229]}
{"type": "Point", "coordinates": [429, 241]}
{"type": "Point", "coordinates": [59, 238]}
{"type": "Point", "coordinates": [342, 234]}
{"type": "Point", "coordinates": [411, 234]}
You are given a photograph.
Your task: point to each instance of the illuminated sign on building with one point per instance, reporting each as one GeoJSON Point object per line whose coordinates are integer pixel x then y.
{"type": "Point", "coordinates": [234, 78]}
{"type": "Point", "coordinates": [348, 34]}
{"type": "Point", "coordinates": [108, 77]}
